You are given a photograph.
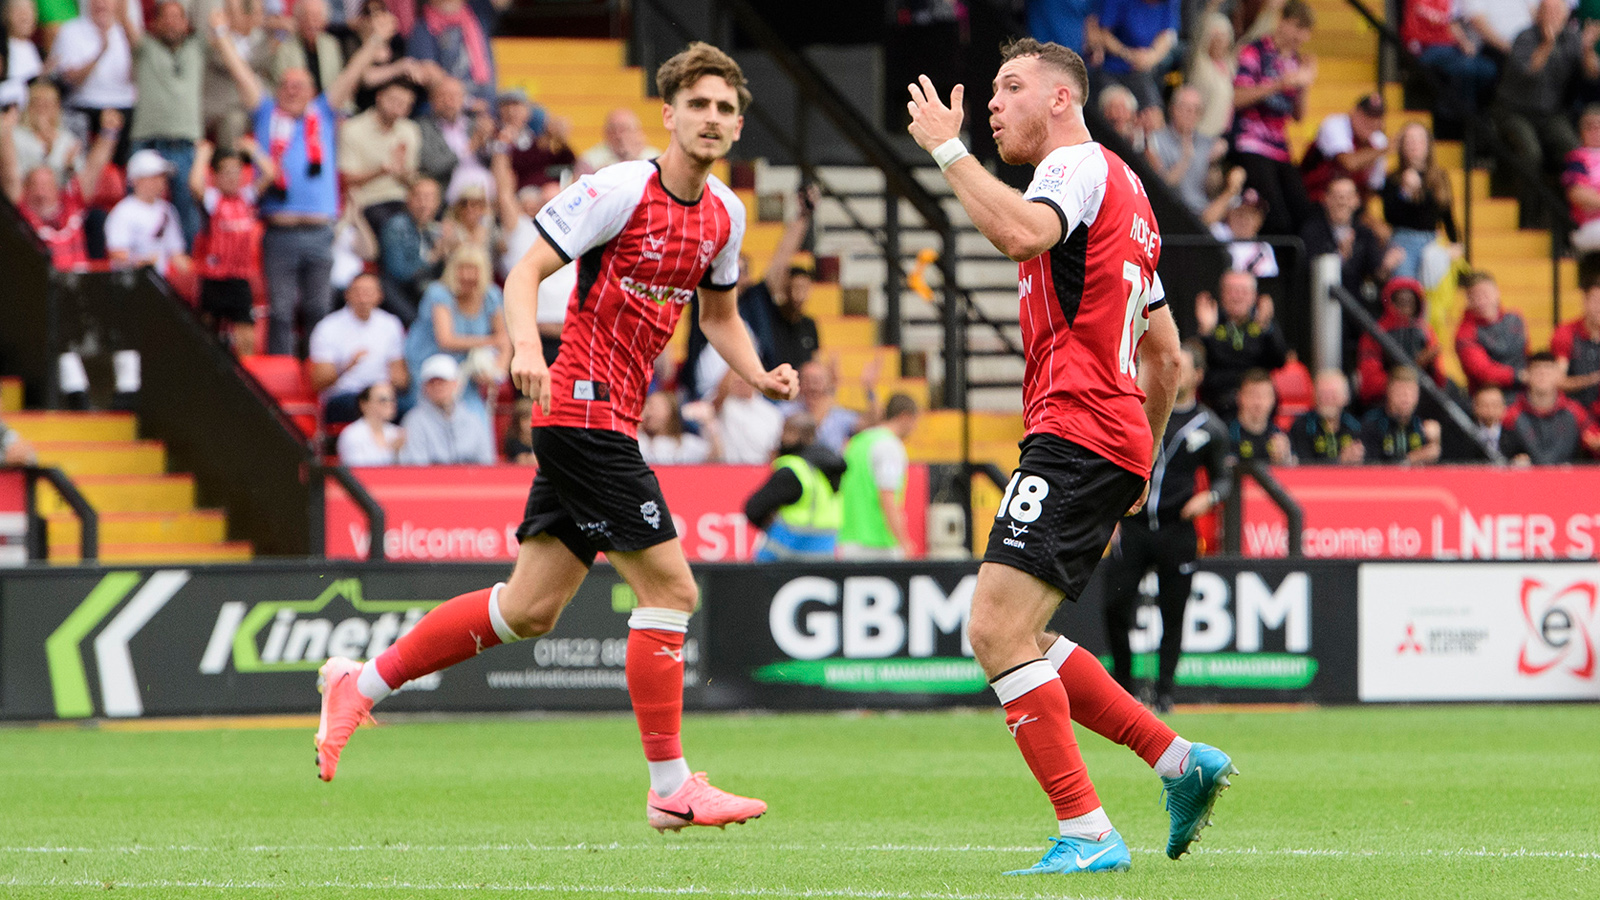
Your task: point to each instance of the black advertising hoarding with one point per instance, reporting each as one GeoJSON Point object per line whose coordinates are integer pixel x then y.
{"type": "Point", "coordinates": [248, 639]}
{"type": "Point", "coordinates": [78, 642]}
{"type": "Point", "coordinates": [891, 635]}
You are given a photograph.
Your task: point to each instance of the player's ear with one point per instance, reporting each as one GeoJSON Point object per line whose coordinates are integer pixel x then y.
{"type": "Point", "coordinates": [666, 115]}
{"type": "Point", "coordinates": [738, 127]}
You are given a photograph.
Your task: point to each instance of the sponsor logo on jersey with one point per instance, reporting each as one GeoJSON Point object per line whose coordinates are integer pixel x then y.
{"type": "Point", "coordinates": [657, 294]}
{"type": "Point", "coordinates": [591, 391]}
{"type": "Point", "coordinates": [1046, 186]}
{"type": "Point", "coordinates": [654, 247]}
{"type": "Point", "coordinates": [556, 220]}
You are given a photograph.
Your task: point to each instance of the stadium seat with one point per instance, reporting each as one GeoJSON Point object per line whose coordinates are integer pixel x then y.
{"type": "Point", "coordinates": [1295, 392]}
{"type": "Point", "coordinates": [284, 379]}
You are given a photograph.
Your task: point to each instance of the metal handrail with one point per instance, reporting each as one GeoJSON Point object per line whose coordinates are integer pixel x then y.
{"type": "Point", "coordinates": [1478, 130]}
{"type": "Point", "coordinates": [376, 522]}
{"type": "Point", "coordinates": [1233, 511]}
{"type": "Point", "coordinates": [1397, 356]}
{"type": "Point", "coordinates": [88, 519]}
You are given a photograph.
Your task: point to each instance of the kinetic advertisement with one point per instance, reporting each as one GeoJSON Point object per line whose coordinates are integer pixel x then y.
{"type": "Point", "coordinates": [127, 642]}
{"type": "Point", "coordinates": [1431, 512]}
{"type": "Point", "coordinates": [471, 513]}
{"type": "Point", "coordinates": [1489, 631]}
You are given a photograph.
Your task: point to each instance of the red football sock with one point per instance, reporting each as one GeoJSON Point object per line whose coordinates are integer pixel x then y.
{"type": "Point", "coordinates": [1105, 708]}
{"type": "Point", "coordinates": [1040, 719]}
{"type": "Point", "coordinates": [655, 681]}
{"type": "Point", "coordinates": [457, 629]}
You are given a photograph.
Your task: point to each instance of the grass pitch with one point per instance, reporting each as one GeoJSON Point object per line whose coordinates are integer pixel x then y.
{"type": "Point", "coordinates": [1449, 802]}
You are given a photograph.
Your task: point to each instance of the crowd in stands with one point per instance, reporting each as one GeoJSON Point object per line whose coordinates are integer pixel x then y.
{"type": "Point", "coordinates": [1206, 91]}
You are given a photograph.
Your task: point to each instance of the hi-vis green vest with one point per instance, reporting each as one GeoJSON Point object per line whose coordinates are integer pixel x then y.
{"type": "Point", "coordinates": [864, 523]}
{"type": "Point", "coordinates": [819, 508]}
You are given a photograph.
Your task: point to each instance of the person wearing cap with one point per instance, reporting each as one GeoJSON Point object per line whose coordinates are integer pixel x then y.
{"type": "Point", "coordinates": [455, 35]}
{"type": "Point", "coordinates": [1352, 144]}
{"type": "Point", "coordinates": [379, 152]}
{"type": "Point", "coordinates": [1239, 229]}
{"type": "Point", "coordinates": [144, 228]}
{"type": "Point", "coordinates": [439, 430]}
{"type": "Point", "coordinates": [297, 126]}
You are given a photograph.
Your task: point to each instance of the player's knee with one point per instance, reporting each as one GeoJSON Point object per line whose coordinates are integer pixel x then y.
{"type": "Point", "coordinates": [988, 637]}
{"type": "Point", "coordinates": [530, 614]}
{"type": "Point", "coordinates": [680, 594]}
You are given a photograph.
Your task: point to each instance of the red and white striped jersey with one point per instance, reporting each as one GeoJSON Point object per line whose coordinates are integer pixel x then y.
{"type": "Point", "coordinates": [1085, 305]}
{"type": "Point", "coordinates": [641, 254]}
{"type": "Point", "coordinates": [232, 234]}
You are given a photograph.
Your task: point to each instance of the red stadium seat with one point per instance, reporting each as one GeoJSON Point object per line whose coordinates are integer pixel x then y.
{"type": "Point", "coordinates": [284, 378]}
{"type": "Point", "coordinates": [1295, 392]}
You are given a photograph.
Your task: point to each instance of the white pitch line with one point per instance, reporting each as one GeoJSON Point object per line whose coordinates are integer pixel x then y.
{"type": "Point", "coordinates": [1464, 852]}
{"type": "Point", "coordinates": [561, 889]}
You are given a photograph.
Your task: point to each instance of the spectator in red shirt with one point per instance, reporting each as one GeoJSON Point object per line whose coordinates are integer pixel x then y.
{"type": "Point", "coordinates": [1576, 344]}
{"type": "Point", "coordinates": [1491, 343]}
{"type": "Point", "coordinates": [1405, 320]}
{"type": "Point", "coordinates": [57, 213]}
{"type": "Point", "coordinates": [1544, 427]}
{"type": "Point", "coordinates": [1432, 29]}
{"type": "Point", "coordinates": [228, 249]}
{"type": "Point", "coordinates": [1268, 91]}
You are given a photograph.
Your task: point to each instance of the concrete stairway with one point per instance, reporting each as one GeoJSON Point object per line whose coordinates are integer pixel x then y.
{"type": "Point", "coordinates": [147, 515]}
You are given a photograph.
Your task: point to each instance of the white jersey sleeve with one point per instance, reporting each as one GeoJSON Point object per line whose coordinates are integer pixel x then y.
{"type": "Point", "coordinates": [594, 209]}
{"type": "Point", "coordinates": [723, 275]}
{"type": "Point", "coordinates": [1072, 181]}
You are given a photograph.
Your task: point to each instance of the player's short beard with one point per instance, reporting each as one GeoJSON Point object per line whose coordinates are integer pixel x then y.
{"type": "Point", "coordinates": [1021, 143]}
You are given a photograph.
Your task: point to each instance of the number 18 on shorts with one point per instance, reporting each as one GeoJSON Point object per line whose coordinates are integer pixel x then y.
{"type": "Point", "coordinates": [1058, 512]}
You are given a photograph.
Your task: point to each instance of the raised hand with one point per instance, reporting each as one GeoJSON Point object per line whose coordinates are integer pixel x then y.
{"type": "Point", "coordinates": [933, 123]}
{"type": "Point", "coordinates": [1205, 312]}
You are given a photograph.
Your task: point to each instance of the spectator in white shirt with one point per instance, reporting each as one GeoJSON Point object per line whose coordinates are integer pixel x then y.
{"type": "Point", "coordinates": [750, 425]}
{"type": "Point", "coordinates": [440, 431]}
{"type": "Point", "coordinates": [93, 55]}
{"type": "Point", "coordinates": [43, 140]}
{"type": "Point", "coordinates": [22, 57]}
{"type": "Point", "coordinates": [354, 347]}
{"type": "Point", "coordinates": [662, 440]}
{"type": "Point", "coordinates": [372, 440]}
{"type": "Point", "coordinates": [144, 229]}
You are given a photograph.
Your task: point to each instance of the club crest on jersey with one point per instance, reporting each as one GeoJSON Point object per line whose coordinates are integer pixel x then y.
{"type": "Point", "coordinates": [651, 513]}
{"type": "Point", "coordinates": [654, 247]}
{"type": "Point", "coordinates": [707, 248]}
{"type": "Point", "coordinates": [657, 294]}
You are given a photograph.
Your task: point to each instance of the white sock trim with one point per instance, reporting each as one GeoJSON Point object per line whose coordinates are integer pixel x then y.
{"type": "Point", "coordinates": [668, 775]}
{"type": "Point", "coordinates": [1023, 679]}
{"type": "Point", "coordinates": [1059, 651]}
{"type": "Point", "coordinates": [1089, 826]}
{"type": "Point", "coordinates": [659, 618]}
{"type": "Point", "coordinates": [371, 684]}
{"type": "Point", "coordinates": [1171, 763]}
{"type": "Point", "coordinates": [497, 619]}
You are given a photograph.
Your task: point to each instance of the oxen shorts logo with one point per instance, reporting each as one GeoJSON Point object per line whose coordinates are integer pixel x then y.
{"type": "Point", "coordinates": [651, 513]}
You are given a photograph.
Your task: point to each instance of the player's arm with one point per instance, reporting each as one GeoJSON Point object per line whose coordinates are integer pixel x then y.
{"type": "Point", "coordinates": [529, 374]}
{"type": "Point", "coordinates": [1019, 228]}
{"type": "Point", "coordinates": [1158, 373]}
{"type": "Point", "coordinates": [726, 332]}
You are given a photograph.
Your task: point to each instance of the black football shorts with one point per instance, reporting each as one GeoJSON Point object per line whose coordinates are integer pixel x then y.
{"type": "Point", "coordinates": [594, 492]}
{"type": "Point", "coordinates": [1059, 510]}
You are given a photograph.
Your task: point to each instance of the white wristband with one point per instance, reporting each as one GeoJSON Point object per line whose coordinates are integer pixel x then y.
{"type": "Point", "coordinates": [948, 152]}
